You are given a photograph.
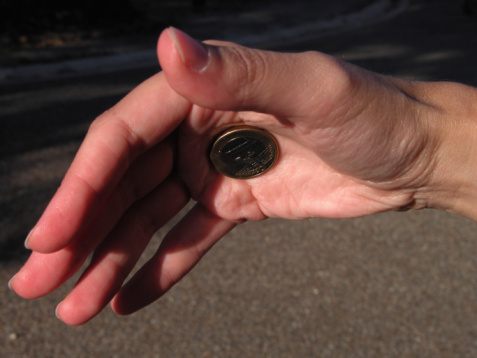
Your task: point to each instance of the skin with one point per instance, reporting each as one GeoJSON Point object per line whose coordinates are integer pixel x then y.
{"type": "Point", "coordinates": [352, 143]}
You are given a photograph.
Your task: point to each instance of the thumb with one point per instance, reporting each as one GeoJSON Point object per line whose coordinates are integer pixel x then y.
{"type": "Point", "coordinates": [234, 77]}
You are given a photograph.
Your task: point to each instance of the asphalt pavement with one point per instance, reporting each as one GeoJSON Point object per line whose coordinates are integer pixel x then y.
{"type": "Point", "coordinates": [390, 285]}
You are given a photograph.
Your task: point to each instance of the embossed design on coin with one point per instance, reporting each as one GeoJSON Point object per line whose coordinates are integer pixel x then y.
{"type": "Point", "coordinates": [244, 152]}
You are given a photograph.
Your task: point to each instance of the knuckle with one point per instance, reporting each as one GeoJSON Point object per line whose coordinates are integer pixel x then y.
{"type": "Point", "coordinates": [334, 82]}
{"type": "Point", "coordinates": [252, 72]}
{"type": "Point", "coordinates": [100, 121]}
{"type": "Point", "coordinates": [342, 77]}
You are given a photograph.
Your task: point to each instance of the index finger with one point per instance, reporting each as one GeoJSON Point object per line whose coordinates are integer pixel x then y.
{"type": "Point", "coordinates": [138, 122]}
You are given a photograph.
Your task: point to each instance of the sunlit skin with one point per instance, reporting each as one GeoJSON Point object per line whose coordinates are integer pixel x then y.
{"type": "Point", "coordinates": [352, 143]}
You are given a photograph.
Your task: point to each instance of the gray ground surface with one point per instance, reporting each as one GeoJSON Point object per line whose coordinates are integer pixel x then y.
{"type": "Point", "coordinates": [391, 285]}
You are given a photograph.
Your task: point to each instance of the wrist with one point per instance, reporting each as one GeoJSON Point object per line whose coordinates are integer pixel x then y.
{"type": "Point", "coordinates": [451, 122]}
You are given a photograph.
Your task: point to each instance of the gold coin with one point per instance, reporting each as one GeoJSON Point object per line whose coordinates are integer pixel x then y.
{"type": "Point", "coordinates": [244, 152]}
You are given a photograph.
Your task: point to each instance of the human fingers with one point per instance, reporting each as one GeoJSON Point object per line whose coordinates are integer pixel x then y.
{"type": "Point", "coordinates": [43, 273]}
{"type": "Point", "coordinates": [179, 252]}
{"type": "Point", "coordinates": [114, 259]}
{"type": "Point", "coordinates": [137, 123]}
{"type": "Point", "coordinates": [234, 77]}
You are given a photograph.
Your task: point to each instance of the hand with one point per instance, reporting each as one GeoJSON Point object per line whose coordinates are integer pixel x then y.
{"type": "Point", "coordinates": [352, 143]}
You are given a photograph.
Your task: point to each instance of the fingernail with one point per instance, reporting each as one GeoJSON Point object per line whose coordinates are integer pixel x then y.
{"type": "Point", "coordinates": [10, 283]}
{"type": "Point", "coordinates": [56, 311]}
{"type": "Point", "coordinates": [193, 53]}
{"type": "Point", "coordinates": [27, 245]}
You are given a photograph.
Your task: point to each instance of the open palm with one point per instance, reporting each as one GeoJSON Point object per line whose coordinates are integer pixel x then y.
{"type": "Point", "coordinates": [341, 155]}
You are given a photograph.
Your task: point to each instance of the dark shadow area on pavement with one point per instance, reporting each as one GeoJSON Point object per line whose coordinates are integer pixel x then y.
{"type": "Point", "coordinates": [442, 47]}
{"type": "Point", "coordinates": [46, 117]}
{"type": "Point", "coordinates": [38, 140]}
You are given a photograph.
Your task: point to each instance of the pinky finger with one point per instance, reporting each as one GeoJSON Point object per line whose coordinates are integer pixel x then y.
{"type": "Point", "coordinates": [180, 251]}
